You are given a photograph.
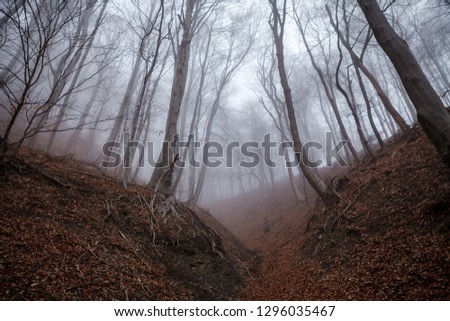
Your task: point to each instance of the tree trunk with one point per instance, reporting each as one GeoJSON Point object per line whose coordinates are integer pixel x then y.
{"type": "Point", "coordinates": [162, 174]}
{"type": "Point", "coordinates": [368, 106]}
{"type": "Point", "coordinates": [201, 177]}
{"type": "Point", "coordinates": [190, 151]}
{"type": "Point", "coordinates": [72, 142]}
{"type": "Point", "coordinates": [329, 94]}
{"type": "Point", "coordinates": [298, 195]}
{"type": "Point", "coordinates": [325, 192]}
{"type": "Point", "coordinates": [84, 41]}
{"type": "Point", "coordinates": [149, 69]}
{"type": "Point", "coordinates": [439, 67]}
{"type": "Point", "coordinates": [383, 97]}
{"type": "Point", "coordinates": [351, 106]}
{"type": "Point", "coordinates": [145, 122]}
{"type": "Point", "coordinates": [431, 112]}
{"type": "Point", "coordinates": [131, 87]}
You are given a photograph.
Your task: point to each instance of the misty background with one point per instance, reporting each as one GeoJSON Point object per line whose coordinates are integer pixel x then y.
{"type": "Point", "coordinates": [76, 74]}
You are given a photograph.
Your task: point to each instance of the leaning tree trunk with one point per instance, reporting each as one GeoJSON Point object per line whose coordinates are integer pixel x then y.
{"type": "Point", "coordinates": [368, 106]}
{"type": "Point", "coordinates": [201, 177]}
{"type": "Point", "coordinates": [431, 113]}
{"type": "Point", "coordinates": [145, 121]}
{"type": "Point", "coordinates": [376, 85]}
{"type": "Point", "coordinates": [325, 192]}
{"type": "Point", "coordinates": [351, 106]}
{"type": "Point", "coordinates": [86, 40]}
{"type": "Point", "coordinates": [328, 92]}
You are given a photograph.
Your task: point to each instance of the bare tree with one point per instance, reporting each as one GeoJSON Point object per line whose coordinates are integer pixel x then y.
{"type": "Point", "coordinates": [277, 24]}
{"type": "Point", "coordinates": [145, 122]}
{"type": "Point", "coordinates": [357, 69]}
{"type": "Point", "coordinates": [267, 82]}
{"type": "Point", "coordinates": [37, 27]}
{"type": "Point", "coordinates": [85, 41]}
{"type": "Point", "coordinates": [326, 86]}
{"type": "Point", "coordinates": [431, 112]}
{"type": "Point", "coordinates": [146, 23]}
{"type": "Point", "coordinates": [193, 16]}
{"type": "Point", "coordinates": [352, 106]}
{"type": "Point", "coordinates": [358, 61]}
{"type": "Point", "coordinates": [150, 59]}
{"type": "Point", "coordinates": [11, 10]}
{"type": "Point", "coordinates": [206, 66]}
{"type": "Point", "coordinates": [238, 48]}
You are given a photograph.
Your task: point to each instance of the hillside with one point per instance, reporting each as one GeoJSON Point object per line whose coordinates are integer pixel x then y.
{"type": "Point", "coordinates": [386, 240]}
{"type": "Point", "coordinates": [67, 232]}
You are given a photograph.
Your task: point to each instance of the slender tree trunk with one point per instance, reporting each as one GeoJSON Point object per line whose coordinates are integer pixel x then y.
{"type": "Point", "coordinates": [352, 107]}
{"type": "Point", "coordinates": [329, 94]}
{"type": "Point", "coordinates": [383, 122]}
{"type": "Point", "coordinates": [368, 106]}
{"type": "Point", "coordinates": [73, 141]}
{"type": "Point", "coordinates": [201, 177]}
{"type": "Point", "coordinates": [144, 126]}
{"type": "Point", "coordinates": [281, 127]}
{"type": "Point", "coordinates": [409, 106]}
{"type": "Point", "coordinates": [298, 195]}
{"type": "Point", "coordinates": [87, 150]}
{"type": "Point", "coordinates": [80, 57]}
{"type": "Point", "coordinates": [437, 64]}
{"type": "Point", "coordinates": [131, 87]}
{"type": "Point", "coordinates": [325, 192]}
{"type": "Point", "coordinates": [388, 119]}
{"type": "Point", "coordinates": [241, 181]}
{"type": "Point", "coordinates": [356, 60]}
{"type": "Point", "coordinates": [149, 69]}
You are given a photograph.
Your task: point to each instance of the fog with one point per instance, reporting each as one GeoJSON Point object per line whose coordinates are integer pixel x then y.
{"type": "Point", "coordinates": [204, 76]}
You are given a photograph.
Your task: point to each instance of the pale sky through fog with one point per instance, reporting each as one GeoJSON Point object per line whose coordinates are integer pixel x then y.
{"type": "Point", "coordinates": [242, 87]}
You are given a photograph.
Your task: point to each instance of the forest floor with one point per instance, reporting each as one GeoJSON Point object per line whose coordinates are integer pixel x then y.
{"type": "Point", "coordinates": [68, 232]}
{"type": "Point", "coordinates": [384, 241]}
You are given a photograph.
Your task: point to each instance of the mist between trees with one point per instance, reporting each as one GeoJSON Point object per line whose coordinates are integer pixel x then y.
{"type": "Point", "coordinates": [214, 154]}
{"type": "Point", "coordinates": [76, 74]}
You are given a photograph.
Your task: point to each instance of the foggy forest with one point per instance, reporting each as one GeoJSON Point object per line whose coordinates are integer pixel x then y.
{"type": "Point", "coordinates": [224, 150]}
